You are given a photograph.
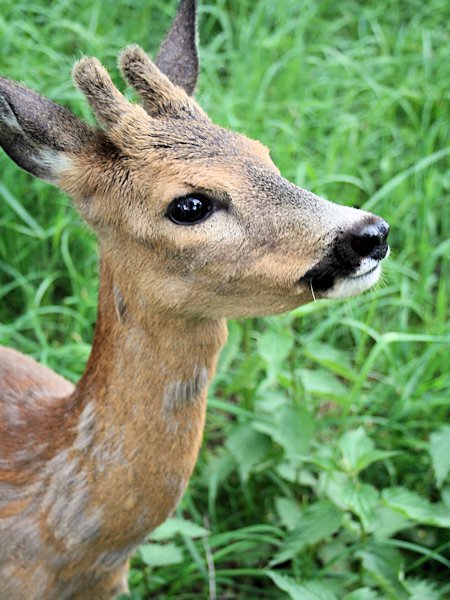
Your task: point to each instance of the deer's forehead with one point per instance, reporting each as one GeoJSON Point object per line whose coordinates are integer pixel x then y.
{"type": "Point", "coordinates": [178, 157]}
{"type": "Point", "coordinates": [191, 139]}
{"type": "Point", "coordinates": [226, 180]}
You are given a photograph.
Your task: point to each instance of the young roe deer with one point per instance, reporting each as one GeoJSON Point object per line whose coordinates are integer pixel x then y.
{"type": "Point", "coordinates": [195, 225]}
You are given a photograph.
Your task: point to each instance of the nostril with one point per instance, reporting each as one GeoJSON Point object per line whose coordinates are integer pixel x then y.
{"type": "Point", "coordinates": [363, 246]}
{"type": "Point", "coordinates": [371, 241]}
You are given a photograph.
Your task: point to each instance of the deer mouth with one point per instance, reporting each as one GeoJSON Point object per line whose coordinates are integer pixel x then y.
{"type": "Point", "coordinates": [331, 280]}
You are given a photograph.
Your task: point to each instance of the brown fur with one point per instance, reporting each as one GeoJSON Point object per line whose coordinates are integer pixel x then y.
{"type": "Point", "coordinates": [87, 472]}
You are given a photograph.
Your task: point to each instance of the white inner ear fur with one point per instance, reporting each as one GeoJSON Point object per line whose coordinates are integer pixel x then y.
{"type": "Point", "coordinates": [56, 161]}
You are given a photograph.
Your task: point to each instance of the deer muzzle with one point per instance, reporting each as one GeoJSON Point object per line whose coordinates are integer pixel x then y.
{"type": "Point", "coordinates": [352, 263]}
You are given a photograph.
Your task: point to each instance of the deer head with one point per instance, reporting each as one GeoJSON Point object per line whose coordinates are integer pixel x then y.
{"type": "Point", "coordinates": [192, 218]}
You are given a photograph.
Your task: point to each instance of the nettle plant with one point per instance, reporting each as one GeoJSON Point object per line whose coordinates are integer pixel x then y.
{"type": "Point", "coordinates": [329, 496]}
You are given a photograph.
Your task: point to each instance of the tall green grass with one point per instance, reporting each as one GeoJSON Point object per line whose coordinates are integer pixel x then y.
{"type": "Point", "coordinates": [324, 470]}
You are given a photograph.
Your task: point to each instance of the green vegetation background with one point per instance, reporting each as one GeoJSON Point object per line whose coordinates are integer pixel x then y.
{"type": "Point", "coordinates": [323, 474]}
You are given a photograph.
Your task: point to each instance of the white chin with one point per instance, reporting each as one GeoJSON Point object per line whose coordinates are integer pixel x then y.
{"type": "Point", "coordinates": [355, 284]}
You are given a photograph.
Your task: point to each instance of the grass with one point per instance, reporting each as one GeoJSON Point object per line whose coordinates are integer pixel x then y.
{"type": "Point", "coordinates": [324, 470]}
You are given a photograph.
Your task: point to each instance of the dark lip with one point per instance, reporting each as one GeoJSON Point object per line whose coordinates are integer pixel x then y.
{"type": "Point", "coordinates": [323, 276]}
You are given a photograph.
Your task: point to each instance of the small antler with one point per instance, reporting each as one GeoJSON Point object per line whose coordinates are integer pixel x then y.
{"type": "Point", "coordinates": [108, 104]}
{"type": "Point", "coordinates": [159, 95]}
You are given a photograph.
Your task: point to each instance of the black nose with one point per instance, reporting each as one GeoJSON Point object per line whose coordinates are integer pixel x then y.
{"type": "Point", "coordinates": [369, 241]}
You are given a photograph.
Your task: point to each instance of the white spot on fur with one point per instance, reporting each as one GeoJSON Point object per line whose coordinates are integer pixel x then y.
{"type": "Point", "coordinates": [12, 414]}
{"type": "Point", "coordinates": [66, 499]}
{"type": "Point", "coordinates": [86, 428]}
{"type": "Point", "coordinates": [21, 545]}
{"type": "Point", "coordinates": [9, 494]}
{"type": "Point", "coordinates": [5, 465]}
{"type": "Point", "coordinates": [110, 450]}
{"type": "Point", "coordinates": [180, 394]}
{"type": "Point", "coordinates": [27, 454]}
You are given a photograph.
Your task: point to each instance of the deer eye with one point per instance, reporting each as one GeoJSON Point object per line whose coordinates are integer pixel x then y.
{"type": "Point", "coordinates": [188, 210]}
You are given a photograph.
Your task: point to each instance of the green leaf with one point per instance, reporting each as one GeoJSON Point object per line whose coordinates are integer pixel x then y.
{"type": "Point", "coordinates": [248, 448]}
{"type": "Point", "coordinates": [215, 473]}
{"type": "Point", "coordinates": [358, 451]}
{"type": "Point", "coordinates": [364, 593]}
{"type": "Point", "coordinates": [270, 400]}
{"type": "Point", "coordinates": [362, 499]}
{"type": "Point", "coordinates": [354, 445]}
{"type": "Point", "coordinates": [305, 590]}
{"type": "Point", "coordinates": [318, 521]}
{"type": "Point", "coordinates": [292, 428]}
{"type": "Point", "coordinates": [289, 512]}
{"type": "Point", "coordinates": [175, 525]}
{"type": "Point", "coordinates": [157, 555]}
{"type": "Point", "coordinates": [274, 346]}
{"type": "Point", "coordinates": [246, 375]}
{"type": "Point", "coordinates": [291, 471]}
{"type": "Point", "coordinates": [332, 483]}
{"type": "Point", "coordinates": [388, 522]}
{"type": "Point", "coordinates": [322, 383]}
{"type": "Point", "coordinates": [415, 507]}
{"type": "Point", "coordinates": [333, 359]}
{"type": "Point", "coordinates": [383, 563]}
{"type": "Point", "coordinates": [421, 589]}
{"type": "Point", "coordinates": [439, 449]}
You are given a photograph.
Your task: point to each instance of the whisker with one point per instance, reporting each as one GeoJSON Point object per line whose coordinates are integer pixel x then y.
{"type": "Point", "coordinates": [312, 291]}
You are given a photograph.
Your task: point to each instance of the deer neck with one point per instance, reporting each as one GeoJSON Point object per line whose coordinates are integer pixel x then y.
{"type": "Point", "coordinates": [142, 406]}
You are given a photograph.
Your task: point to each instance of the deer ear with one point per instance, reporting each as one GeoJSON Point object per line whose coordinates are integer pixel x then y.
{"type": "Point", "coordinates": [38, 134]}
{"type": "Point", "coordinates": [178, 56]}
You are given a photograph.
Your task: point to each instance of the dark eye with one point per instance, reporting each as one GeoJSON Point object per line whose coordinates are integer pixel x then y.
{"type": "Point", "coordinates": [189, 209]}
